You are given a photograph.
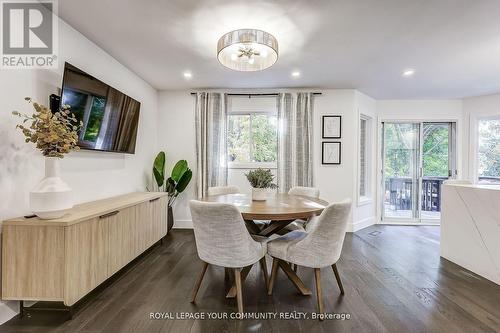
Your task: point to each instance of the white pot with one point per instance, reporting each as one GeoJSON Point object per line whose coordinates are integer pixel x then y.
{"type": "Point", "coordinates": [52, 197]}
{"type": "Point", "coordinates": [259, 194]}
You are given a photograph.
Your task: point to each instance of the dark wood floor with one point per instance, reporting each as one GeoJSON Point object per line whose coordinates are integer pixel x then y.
{"type": "Point", "coordinates": [394, 279]}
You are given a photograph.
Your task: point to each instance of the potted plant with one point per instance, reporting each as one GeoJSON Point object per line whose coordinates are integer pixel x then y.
{"type": "Point", "coordinates": [174, 185]}
{"type": "Point", "coordinates": [261, 180]}
{"type": "Point", "coordinates": [54, 134]}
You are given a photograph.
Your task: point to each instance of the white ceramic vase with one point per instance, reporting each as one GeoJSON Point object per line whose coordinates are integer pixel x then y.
{"type": "Point", "coordinates": [259, 194]}
{"type": "Point", "coordinates": [52, 197]}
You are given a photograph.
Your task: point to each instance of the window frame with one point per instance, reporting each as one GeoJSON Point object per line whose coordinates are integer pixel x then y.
{"type": "Point", "coordinates": [475, 147]}
{"type": "Point", "coordinates": [367, 198]}
{"type": "Point", "coordinates": [253, 165]}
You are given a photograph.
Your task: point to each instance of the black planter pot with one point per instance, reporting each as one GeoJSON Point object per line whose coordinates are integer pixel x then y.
{"type": "Point", "coordinates": [170, 218]}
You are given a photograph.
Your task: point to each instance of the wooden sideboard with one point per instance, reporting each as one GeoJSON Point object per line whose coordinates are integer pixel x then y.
{"type": "Point", "coordinates": [64, 259]}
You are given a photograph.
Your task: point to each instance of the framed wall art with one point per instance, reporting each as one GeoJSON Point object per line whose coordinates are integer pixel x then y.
{"type": "Point", "coordinates": [332, 127]}
{"type": "Point", "coordinates": [331, 153]}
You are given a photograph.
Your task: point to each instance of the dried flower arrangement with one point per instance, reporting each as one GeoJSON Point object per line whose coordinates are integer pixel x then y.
{"type": "Point", "coordinates": [54, 134]}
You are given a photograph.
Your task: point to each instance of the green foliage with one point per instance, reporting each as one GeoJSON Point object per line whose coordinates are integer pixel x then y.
{"type": "Point", "coordinates": [95, 119]}
{"type": "Point", "coordinates": [489, 148]}
{"type": "Point", "coordinates": [435, 150]}
{"type": "Point", "coordinates": [177, 182]}
{"type": "Point", "coordinates": [261, 178]}
{"type": "Point", "coordinates": [179, 169]}
{"type": "Point", "coordinates": [238, 138]}
{"type": "Point", "coordinates": [265, 138]}
{"type": "Point", "coordinates": [401, 145]}
{"type": "Point", "coordinates": [252, 138]}
{"type": "Point", "coordinates": [184, 180]}
{"type": "Point", "coordinates": [159, 168]}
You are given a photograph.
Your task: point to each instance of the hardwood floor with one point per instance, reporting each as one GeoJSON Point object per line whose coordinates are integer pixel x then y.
{"type": "Point", "coordinates": [393, 277]}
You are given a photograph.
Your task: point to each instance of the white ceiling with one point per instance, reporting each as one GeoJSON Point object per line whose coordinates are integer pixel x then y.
{"type": "Point", "coordinates": [454, 45]}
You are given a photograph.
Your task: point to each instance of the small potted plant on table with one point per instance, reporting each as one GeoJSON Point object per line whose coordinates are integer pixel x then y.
{"type": "Point", "coordinates": [261, 181]}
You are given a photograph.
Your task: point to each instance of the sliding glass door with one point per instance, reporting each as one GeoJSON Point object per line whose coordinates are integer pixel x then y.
{"type": "Point", "coordinates": [417, 157]}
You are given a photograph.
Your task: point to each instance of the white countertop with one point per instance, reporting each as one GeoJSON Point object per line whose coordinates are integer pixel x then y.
{"type": "Point", "coordinates": [478, 186]}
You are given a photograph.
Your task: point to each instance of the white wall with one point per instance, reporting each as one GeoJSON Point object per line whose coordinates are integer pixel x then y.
{"type": "Point", "coordinates": [176, 136]}
{"type": "Point", "coordinates": [474, 109]}
{"type": "Point", "coordinates": [336, 182]}
{"type": "Point", "coordinates": [92, 175]}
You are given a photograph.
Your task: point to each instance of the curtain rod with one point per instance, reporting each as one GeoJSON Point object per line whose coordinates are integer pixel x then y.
{"type": "Point", "coordinates": [249, 95]}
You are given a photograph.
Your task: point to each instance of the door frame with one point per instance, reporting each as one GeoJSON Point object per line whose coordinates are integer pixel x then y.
{"type": "Point", "coordinates": [379, 171]}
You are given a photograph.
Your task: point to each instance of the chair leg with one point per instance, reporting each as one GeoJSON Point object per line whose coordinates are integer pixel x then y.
{"type": "Point", "coordinates": [198, 282]}
{"type": "Point", "coordinates": [337, 276]}
{"type": "Point", "coordinates": [263, 265]}
{"type": "Point", "coordinates": [317, 275]}
{"type": "Point", "coordinates": [274, 272]}
{"type": "Point", "coordinates": [239, 292]}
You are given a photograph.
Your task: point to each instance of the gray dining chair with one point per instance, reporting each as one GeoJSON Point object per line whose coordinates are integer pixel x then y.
{"type": "Point", "coordinates": [319, 247]}
{"type": "Point", "coordinates": [311, 192]}
{"type": "Point", "coordinates": [223, 240]}
{"type": "Point", "coordinates": [219, 190]}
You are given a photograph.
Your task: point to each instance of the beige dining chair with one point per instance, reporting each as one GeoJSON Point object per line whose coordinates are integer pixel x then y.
{"type": "Point", "coordinates": [219, 190]}
{"type": "Point", "coordinates": [311, 192]}
{"type": "Point", "coordinates": [319, 247]}
{"type": "Point", "coordinates": [223, 240]}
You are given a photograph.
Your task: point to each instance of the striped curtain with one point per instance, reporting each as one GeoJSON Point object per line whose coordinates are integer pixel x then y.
{"type": "Point", "coordinates": [295, 140]}
{"type": "Point", "coordinates": [211, 146]}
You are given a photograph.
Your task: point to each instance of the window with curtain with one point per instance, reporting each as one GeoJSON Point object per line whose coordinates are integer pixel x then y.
{"type": "Point", "coordinates": [364, 158]}
{"type": "Point", "coordinates": [252, 137]}
{"type": "Point", "coordinates": [488, 170]}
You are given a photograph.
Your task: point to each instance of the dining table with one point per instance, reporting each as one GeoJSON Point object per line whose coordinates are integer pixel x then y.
{"type": "Point", "coordinates": [278, 210]}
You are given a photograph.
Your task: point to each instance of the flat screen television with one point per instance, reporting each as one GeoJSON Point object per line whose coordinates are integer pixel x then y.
{"type": "Point", "coordinates": [110, 118]}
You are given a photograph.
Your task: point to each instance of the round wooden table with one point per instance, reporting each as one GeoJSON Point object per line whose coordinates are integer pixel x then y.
{"type": "Point", "coordinates": [281, 209]}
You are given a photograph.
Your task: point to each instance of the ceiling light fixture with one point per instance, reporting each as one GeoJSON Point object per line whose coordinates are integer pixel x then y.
{"type": "Point", "coordinates": [187, 75]}
{"type": "Point", "coordinates": [247, 50]}
{"type": "Point", "coordinates": [408, 72]}
{"type": "Point", "coordinates": [296, 74]}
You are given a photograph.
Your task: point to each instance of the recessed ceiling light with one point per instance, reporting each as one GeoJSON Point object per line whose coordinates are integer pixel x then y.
{"type": "Point", "coordinates": [187, 75]}
{"type": "Point", "coordinates": [408, 72]}
{"type": "Point", "coordinates": [296, 74]}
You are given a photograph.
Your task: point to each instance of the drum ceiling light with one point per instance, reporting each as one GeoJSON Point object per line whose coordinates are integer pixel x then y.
{"type": "Point", "coordinates": [247, 50]}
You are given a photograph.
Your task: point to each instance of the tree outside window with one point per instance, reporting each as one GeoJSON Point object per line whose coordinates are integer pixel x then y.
{"type": "Point", "coordinates": [252, 138]}
{"type": "Point", "coordinates": [489, 151]}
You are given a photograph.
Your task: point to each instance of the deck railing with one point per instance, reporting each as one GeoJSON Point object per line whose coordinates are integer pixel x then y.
{"type": "Point", "coordinates": [399, 191]}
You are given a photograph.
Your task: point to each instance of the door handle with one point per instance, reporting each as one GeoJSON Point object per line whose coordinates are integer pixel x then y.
{"type": "Point", "coordinates": [153, 200]}
{"type": "Point", "coordinates": [109, 214]}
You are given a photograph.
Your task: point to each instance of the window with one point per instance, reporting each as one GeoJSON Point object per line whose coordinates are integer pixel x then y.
{"type": "Point", "coordinates": [252, 132]}
{"type": "Point", "coordinates": [364, 159]}
{"type": "Point", "coordinates": [488, 170]}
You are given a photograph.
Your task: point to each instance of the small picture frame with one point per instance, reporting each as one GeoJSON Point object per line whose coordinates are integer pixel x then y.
{"type": "Point", "coordinates": [332, 127]}
{"type": "Point", "coordinates": [331, 153]}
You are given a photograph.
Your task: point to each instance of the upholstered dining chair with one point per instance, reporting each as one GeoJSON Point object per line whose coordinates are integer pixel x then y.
{"type": "Point", "coordinates": [319, 247]}
{"type": "Point", "coordinates": [223, 240]}
{"type": "Point", "coordinates": [219, 190]}
{"type": "Point", "coordinates": [311, 192]}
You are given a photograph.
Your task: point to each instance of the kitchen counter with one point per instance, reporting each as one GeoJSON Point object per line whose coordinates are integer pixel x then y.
{"type": "Point", "coordinates": [470, 228]}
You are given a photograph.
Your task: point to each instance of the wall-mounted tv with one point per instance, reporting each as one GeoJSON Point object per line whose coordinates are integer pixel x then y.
{"type": "Point", "coordinates": [110, 118]}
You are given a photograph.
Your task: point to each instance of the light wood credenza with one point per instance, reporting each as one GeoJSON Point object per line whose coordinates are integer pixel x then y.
{"type": "Point", "coordinates": [64, 259]}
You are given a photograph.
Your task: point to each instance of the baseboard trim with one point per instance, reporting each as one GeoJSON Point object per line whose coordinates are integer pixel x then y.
{"type": "Point", "coordinates": [183, 224]}
{"type": "Point", "coordinates": [361, 224]}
